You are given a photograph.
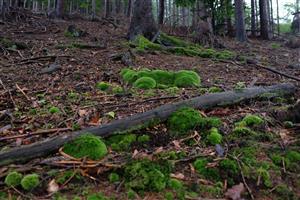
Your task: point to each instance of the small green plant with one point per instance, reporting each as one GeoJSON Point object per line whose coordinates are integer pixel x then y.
{"type": "Point", "coordinates": [131, 194]}
{"type": "Point", "coordinates": [172, 90]}
{"type": "Point", "coordinates": [30, 181]}
{"type": "Point", "coordinates": [185, 78]}
{"type": "Point", "coordinates": [54, 110]}
{"type": "Point", "coordinates": [103, 86]}
{"type": "Point", "coordinates": [214, 89]}
{"type": "Point", "coordinates": [97, 196]}
{"type": "Point", "coordinates": [117, 90]}
{"type": "Point", "coordinates": [201, 166]}
{"type": "Point", "coordinates": [13, 179]}
{"type": "Point", "coordinates": [212, 191]}
{"type": "Point", "coordinates": [129, 75]}
{"type": "Point", "coordinates": [145, 83]}
{"type": "Point", "coordinates": [184, 120]}
{"type": "Point", "coordinates": [143, 138]}
{"type": "Point", "coordinates": [169, 196]}
{"type": "Point", "coordinates": [230, 167]}
{"type": "Point", "coordinates": [214, 137]}
{"type": "Point", "coordinates": [64, 176]}
{"type": "Point", "coordinates": [240, 85]}
{"type": "Point", "coordinates": [86, 145]}
{"type": "Point", "coordinates": [275, 46]}
{"type": "Point", "coordinates": [288, 124]}
{"type": "Point", "coordinates": [252, 120]}
{"type": "Point", "coordinates": [121, 142]}
{"type": "Point", "coordinates": [114, 177]}
{"type": "Point", "coordinates": [146, 175]}
{"type": "Point", "coordinates": [265, 176]}
{"type": "Point", "coordinates": [293, 156]}
{"type": "Point", "coordinates": [284, 192]}
{"type": "Point", "coordinates": [212, 122]}
{"type": "Point", "coordinates": [175, 184]}
{"type": "Point", "coordinates": [163, 77]}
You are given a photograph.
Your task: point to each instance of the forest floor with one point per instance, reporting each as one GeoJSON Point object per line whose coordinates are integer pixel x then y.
{"type": "Point", "coordinates": [29, 98]}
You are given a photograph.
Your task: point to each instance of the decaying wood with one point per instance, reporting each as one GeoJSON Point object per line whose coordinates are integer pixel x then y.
{"type": "Point", "coordinates": [40, 149]}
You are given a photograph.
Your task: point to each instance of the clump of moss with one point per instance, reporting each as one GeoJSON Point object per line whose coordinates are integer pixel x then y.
{"type": "Point", "coordinates": [172, 41]}
{"type": "Point", "coordinates": [212, 191]}
{"type": "Point", "coordinates": [163, 77]}
{"type": "Point", "coordinates": [169, 196]}
{"type": "Point", "coordinates": [242, 131]}
{"type": "Point", "coordinates": [129, 75]}
{"type": "Point", "coordinates": [54, 110]}
{"type": "Point", "coordinates": [97, 196]}
{"type": "Point", "coordinates": [284, 192]}
{"type": "Point", "coordinates": [214, 136]}
{"type": "Point", "coordinates": [64, 176]}
{"type": "Point", "coordinates": [145, 83]}
{"type": "Point", "coordinates": [214, 89]}
{"type": "Point", "coordinates": [172, 90]}
{"type": "Point", "coordinates": [184, 120]}
{"type": "Point", "coordinates": [30, 181]}
{"type": "Point", "coordinates": [252, 120]}
{"type": "Point", "coordinates": [225, 55]}
{"type": "Point", "coordinates": [143, 138]}
{"type": "Point", "coordinates": [201, 166]}
{"type": "Point", "coordinates": [131, 194]}
{"type": "Point", "coordinates": [175, 184]}
{"type": "Point", "coordinates": [114, 177]}
{"type": "Point", "coordinates": [265, 176]}
{"type": "Point", "coordinates": [288, 124]}
{"type": "Point", "coordinates": [86, 145]}
{"type": "Point", "coordinates": [13, 179]}
{"type": "Point", "coordinates": [143, 43]}
{"type": "Point", "coordinates": [293, 156]}
{"type": "Point", "coordinates": [121, 142]}
{"type": "Point", "coordinates": [240, 86]}
{"type": "Point", "coordinates": [230, 170]}
{"type": "Point", "coordinates": [211, 122]}
{"type": "Point", "coordinates": [103, 86]}
{"type": "Point", "coordinates": [185, 78]}
{"type": "Point", "coordinates": [117, 90]}
{"type": "Point", "coordinates": [145, 175]}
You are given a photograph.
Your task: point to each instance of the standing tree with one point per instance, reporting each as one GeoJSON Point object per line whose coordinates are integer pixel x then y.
{"type": "Point", "coordinates": [239, 21]}
{"type": "Point", "coordinates": [142, 22]}
{"type": "Point", "coordinates": [161, 11]}
{"type": "Point", "coordinates": [253, 22]}
{"type": "Point", "coordinates": [264, 22]}
{"type": "Point", "coordinates": [59, 8]}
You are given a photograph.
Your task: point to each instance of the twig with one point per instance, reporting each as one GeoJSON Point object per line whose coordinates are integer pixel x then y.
{"type": "Point", "coordinates": [20, 193]}
{"type": "Point", "coordinates": [35, 133]}
{"type": "Point", "coordinates": [243, 177]}
{"type": "Point", "coordinates": [22, 92]}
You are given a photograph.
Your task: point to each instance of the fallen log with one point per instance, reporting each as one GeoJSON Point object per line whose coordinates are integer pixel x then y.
{"type": "Point", "coordinates": [43, 148]}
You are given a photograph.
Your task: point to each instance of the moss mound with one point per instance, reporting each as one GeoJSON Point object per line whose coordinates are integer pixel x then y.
{"type": "Point", "coordinates": [251, 120]}
{"type": "Point", "coordinates": [103, 86]}
{"type": "Point", "coordinates": [185, 78]}
{"type": "Point", "coordinates": [121, 142]}
{"type": "Point", "coordinates": [143, 43]}
{"type": "Point", "coordinates": [13, 179]}
{"type": "Point", "coordinates": [168, 40]}
{"type": "Point", "coordinates": [210, 173]}
{"type": "Point", "coordinates": [214, 137]}
{"type": "Point", "coordinates": [145, 83]}
{"type": "Point", "coordinates": [163, 77]}
{"type": "Point", "coordinates": [30, 181]}
{"type": "Point", "coordinates": [146, 175]}
{"type": "Point", "coordinates": [87, 145]}
{"type": "Point", "coordinates": [129, 75]}
{"type": "Point", "coordinates": [184, 120]}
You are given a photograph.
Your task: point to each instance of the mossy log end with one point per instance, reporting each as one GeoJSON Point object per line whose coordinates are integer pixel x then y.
{"type": "Point", "coordinates": [44, 148]}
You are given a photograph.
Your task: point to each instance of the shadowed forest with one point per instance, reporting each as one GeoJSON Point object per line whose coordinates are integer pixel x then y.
{"type": "Point", "coordinates": [149, 99]}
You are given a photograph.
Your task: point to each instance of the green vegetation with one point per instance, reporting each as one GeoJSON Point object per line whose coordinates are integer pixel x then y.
{"type": "Point", "coordinates": [210, 173]}
{"type": "Point", "coordinates": [114, 177]}
{"type": "Point", "coordinates": [185, 78]}
{"type": "Point", "coordinates": [214, 90]}
{"type": "Point", "coordinates": [121, 142]}
{"type": "Point", "coordinates": [97, 196]}
{"type": "Point", "coordinates": [143, 43]}
{"type": "Point", "coordinates": [284, 192]}
{"type": "Point", "coordinates": [131, 194]}
{"type": "Point", "coordinates": [285, 28]}
{"type": "Point", "coordinates": [173, 41]}
{"type": "Point", "coordinates": [146, 175]}
{"type": "Point", "coordinates": [212, 191]}
{"type": "Point", "coordinates": [145, 83]}
{"type": "Point", "coordinates": [184, 120]}
{"type": "Point", "coordinates": [250, 121]}
{"type": "Point", "coordinates": [147, 79]}
{"type": "Point", "coordinates": [30, 181]}
{"type": "Point", "coordinates": [86, 145]}
{"type": "Point", "coordinates": [13, 179]}
{"type": "Point", "coordinates": [240, 85]}
{"type": "Point", "coordinates": [54, 110]}
{"type": "Point", "coordinates": [102, 86]}
{"type": "Point", "coordinates": [143, 138]}
{"type": "Point", "coordinates": [64, 176]}
{"type": "Point", "coordinates": [214, 137]}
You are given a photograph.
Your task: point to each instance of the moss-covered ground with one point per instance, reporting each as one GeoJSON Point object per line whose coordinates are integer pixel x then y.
{"type": "Point", "coordinates": [194, 154]}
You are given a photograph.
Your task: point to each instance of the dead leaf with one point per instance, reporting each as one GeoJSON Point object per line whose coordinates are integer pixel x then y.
{"type": "Point", "coordinates": [235, 192]}
{"type": "Point", "coordinates": [179, 176]}
{"type": "Point", "coordinates": [176, 144]}
{"type": "Point", "coordinates": [159, 150]}
{"type": "Point", "coordinates": [52, 186]}
{"type": "Point", "coordinates": [82, 113]}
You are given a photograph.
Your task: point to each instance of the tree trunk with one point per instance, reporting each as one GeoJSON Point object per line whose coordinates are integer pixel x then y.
{"type": "Point", "coordinates": [107, 10]}
{"type": "Point", "coordinates": [264, 23]}
{"type": "Point", "coordinates": [278, 25]}
{"type": "Point", "coordinates": [253, 21]}
{"type": "Point", "coordinates": [49, 6]}
{"type": "Point", "coordinates": [161, 114]}
{"type": "Point", "coordinates": [59, 8]}
{"type": "Point", "coordinates": [142, 22]}
{"type": "Point", "coordinates": [161, 12]}
{"type": "Point", "coordinates": [129, 8]}
{"type": "Point", "coordinates": [93, 9]}
{"type": "Point", "coordinates": [239, 21]}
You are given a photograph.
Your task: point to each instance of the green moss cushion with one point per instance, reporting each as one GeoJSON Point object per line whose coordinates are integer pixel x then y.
{"type": "Point", "coordinates": [145, 83]}
{"type": "Point", "coordinates": [87, 145]}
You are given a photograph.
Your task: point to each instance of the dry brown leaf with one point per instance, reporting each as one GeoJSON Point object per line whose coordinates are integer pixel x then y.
{"type": "Point", "coordinates": [176, 144]}
{"type": "Point", "coordinates": [179, 176]}
{"type": "Point", "coordinates": [52, 186]}
{"type": "Point", "coordinates": [235, 192]}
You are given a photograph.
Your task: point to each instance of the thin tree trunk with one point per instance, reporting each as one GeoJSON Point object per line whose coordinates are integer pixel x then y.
{"type": "Point", "coordinates": [60, 8]}
{"type": "Point", "coordinates": [71, 7]}
{"type": "Point", "coordinates": [48, 5]}
{"type": "Point", "coordinates": [278, 25]}
{"type": "Point", "coordinates": [161, 12]}
{"type": "Point", "coordinates": [264, 23]}
{"type": "Point", "coordinates": [240, 21]}
{"type": "Point", "coordinates": [93, 9]}
{"type": "Point", "coordinates": [107, 10]}
{"type": "Point", "coordinates": [253, 22]}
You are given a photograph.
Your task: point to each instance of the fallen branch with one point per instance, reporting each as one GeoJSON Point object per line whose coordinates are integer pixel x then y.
{"type": "Point", "coordinates": [43, 148]}
{"type": "Point", "coordinates": [249, 61]}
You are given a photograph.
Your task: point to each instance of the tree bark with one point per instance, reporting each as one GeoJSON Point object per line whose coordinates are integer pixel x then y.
{"type": "Point", "coordinates": [142, 22]}
{"type": "Point", "coordinates": [253, 22]}
{"type": "Point", "coordinates": [278, 25]}
{"type": "Point", "coordinates": [44, 148]}
{"type": "Point", "coordinates": [161, 11]}
{"type": "Point", "coordinates": [93, 9]}
{"type": "Point", "coordinates": [239, 21]}
{"type": "Point", "coordinates": [59, 8]}
{"type": "Point", "coordinates": [264, 22]}
{"type": "Point", "coordinates": [129, 8]}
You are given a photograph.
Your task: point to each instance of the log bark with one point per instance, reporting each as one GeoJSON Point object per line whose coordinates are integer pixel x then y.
{"type": "Point", "coordinates": [44, 148]}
